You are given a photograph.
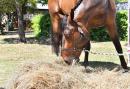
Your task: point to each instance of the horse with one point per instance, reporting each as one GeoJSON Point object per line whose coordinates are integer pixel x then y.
{"type": "Point", "coordinates": [89, 14]}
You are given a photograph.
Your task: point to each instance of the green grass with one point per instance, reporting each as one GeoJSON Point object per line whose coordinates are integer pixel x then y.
{"type": "Point", "coordinates": [12, 55]}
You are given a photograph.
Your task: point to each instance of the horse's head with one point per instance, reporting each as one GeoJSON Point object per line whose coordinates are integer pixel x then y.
{"type": "Point", "coordinates": [73, 43]}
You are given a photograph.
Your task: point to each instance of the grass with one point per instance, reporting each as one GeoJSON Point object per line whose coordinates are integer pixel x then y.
{"type": "Point", "coordinates": [106, 47]}
{"type": "Point", "coordinates": [12, 55]}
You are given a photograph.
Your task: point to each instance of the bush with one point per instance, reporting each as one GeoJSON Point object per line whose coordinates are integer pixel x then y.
{"type": "Point", "coordinates": [41, 25]}
{"type": "Point", "coordinates": [100, 34]}
{"type": "Point", "coordinates": [121, 21]}
{"type": "Point", "coordinates": [121, 0]}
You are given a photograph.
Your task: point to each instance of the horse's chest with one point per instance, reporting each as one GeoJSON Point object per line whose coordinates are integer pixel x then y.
{"type": "Point", "coordinates": [67, 5]}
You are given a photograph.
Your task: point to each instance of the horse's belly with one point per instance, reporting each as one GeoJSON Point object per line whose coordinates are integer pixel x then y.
{"type": "Point", "coordinates": [96, 21]}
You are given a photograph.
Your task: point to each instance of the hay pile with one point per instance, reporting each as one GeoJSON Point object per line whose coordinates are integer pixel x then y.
{"type": "Point", "coordinates": [40, 75]}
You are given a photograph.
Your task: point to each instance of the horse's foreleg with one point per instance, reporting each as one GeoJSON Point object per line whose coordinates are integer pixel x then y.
{"type": "Point", "coordinates": [114, 36]}
{"type": "Point", "coordinates": [87, 48]}
{"type": "Point", "coordinates": [56, 33]}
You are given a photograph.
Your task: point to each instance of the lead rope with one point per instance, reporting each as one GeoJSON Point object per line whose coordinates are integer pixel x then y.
{"type": "Point", "coordinates": [108, 54]}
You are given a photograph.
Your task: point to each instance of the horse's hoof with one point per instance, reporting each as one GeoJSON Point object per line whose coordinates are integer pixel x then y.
{"type": "Point", "coordinates": [89, 69]}
{"type": "Point", "coordinates": [125, 70]}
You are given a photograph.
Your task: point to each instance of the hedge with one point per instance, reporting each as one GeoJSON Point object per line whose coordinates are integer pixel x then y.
{"type": "Point", "coordinates": [121, 0]}
{"type": "Point", "coordinates": [41, 26]}
{"type": "Point", "coordinates": [122, 24]}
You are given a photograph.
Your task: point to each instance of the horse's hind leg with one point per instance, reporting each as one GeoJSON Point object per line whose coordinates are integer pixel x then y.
{"type": "Point", "coordinates": [111, 25]}
{"type": "Point", "coordinates": [56, 32]}
{"type": "Point", "coordinates": [87, 48]}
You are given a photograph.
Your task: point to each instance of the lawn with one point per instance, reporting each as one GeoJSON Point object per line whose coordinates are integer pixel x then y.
{"type": "Point", "coordinates": [12, 55]}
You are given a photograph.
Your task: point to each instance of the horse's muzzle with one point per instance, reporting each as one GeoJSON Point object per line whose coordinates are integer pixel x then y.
{"type": "Point", "coordinates": [71, 60]}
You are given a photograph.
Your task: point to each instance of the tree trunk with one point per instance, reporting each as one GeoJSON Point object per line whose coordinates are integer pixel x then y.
{"type": "Point", "coordinates": [1, 28]}
{"type": "Point", "coordinates": [21, 28]}
{"type": "Point", "coordinates": [24, 11]}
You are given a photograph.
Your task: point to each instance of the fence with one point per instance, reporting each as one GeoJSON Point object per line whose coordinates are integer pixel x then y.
{"type": "Point", "coordinates": [122, 6]}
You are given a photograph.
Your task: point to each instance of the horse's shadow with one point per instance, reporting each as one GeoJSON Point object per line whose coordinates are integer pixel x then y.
{"type": "Point", "coordinates": [30, 40]}
{"type": "Point", "coordinates": [2, 88]}
{"type": "Point", "coordinates": [13, 39]}
{"type": "Point", "coordinates": [103, 65]}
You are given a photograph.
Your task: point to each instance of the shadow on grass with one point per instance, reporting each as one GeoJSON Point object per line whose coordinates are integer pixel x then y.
{"type": "Point", "coordinates": [15, 32]}
{"type": "Point", "coordinates": [30, 40]}
{"type": "Point", "coordinates": [2, 88]}
{"type": "Point", "coordinates": [102, 65]}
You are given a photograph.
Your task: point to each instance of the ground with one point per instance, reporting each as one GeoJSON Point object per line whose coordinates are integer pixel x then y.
{"type": "Point", "coordinates": [12, 55]}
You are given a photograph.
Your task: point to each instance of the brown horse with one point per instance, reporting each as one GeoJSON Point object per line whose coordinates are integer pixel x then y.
{"type": "Point", "coordinates": [89, 14]}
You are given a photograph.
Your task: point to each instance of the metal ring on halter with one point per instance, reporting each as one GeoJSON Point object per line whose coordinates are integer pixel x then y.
{"type": "Point", "coordinates": [71, 49]}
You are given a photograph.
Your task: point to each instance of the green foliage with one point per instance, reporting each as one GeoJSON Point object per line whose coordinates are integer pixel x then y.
{"type": "Point", "coordinates": [45, 25]}
{"type": "Point", "coordinates": [41, 25]}
{"type": "Point", "coordinates": [8, 6]}
{"type": "Point", "coordinates": [100, 34]}
{"type": "Point", "coordinates": [121, 20]}
{"type": "Point", "coordinates": [42, 1]}
{"type": "Point", "coordinates": [121, 0]}
{"type": "Point", "coordinates": [36, 25]}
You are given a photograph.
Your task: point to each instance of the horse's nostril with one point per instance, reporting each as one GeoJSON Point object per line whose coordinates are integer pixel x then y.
{"type": "Point", "coordinates": [71, 61]}
{"type": "Point", "coordinates": [68, 62]}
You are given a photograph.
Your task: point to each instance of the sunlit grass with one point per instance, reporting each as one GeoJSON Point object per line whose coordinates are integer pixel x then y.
{"type": "Point", "coordinates": [105, 47]}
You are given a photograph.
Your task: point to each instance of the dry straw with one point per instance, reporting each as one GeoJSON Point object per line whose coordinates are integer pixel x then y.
{"type": "Point", "coordinates": [57, 75]}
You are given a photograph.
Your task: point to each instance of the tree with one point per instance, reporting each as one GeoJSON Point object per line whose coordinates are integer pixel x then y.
{"type": "Point", "coordinates": [20, 6]}
{"type": "Point", "coordinates": [42, 1]}
{"type": "Point", "coordinates": [7, 6]}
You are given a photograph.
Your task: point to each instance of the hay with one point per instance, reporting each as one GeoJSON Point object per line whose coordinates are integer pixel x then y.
{"type": "Point", "coordinates": [57, 75]}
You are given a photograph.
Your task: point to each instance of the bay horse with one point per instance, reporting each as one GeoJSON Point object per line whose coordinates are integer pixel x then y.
{"type": "Point", "coordinates": [89, 14]}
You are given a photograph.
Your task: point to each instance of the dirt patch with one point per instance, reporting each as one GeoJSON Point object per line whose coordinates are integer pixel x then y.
{"type": "Point", "coordinates": [57, 75]}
